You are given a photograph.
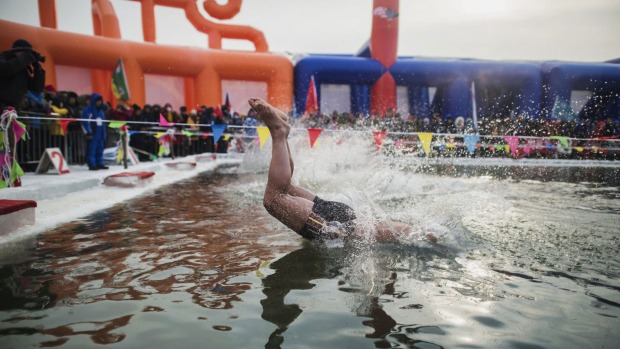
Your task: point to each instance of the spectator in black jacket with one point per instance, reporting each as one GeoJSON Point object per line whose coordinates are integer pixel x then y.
{"type": "Point", "coordinates": [20, 71]}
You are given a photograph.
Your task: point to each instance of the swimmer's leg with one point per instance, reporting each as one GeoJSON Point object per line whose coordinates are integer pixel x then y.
{"type": "Point", "coordinates": [291, 210]}
{"type": "Point", "coordinates": [283, 116]}
{"type": "Point", "coordinates": [293, 189]}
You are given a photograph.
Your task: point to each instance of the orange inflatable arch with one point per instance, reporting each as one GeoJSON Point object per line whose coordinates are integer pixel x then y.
{"type": "Point", "coordinates": [202, 70]}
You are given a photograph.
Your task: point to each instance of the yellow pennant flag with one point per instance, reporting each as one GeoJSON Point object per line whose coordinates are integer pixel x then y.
{"type": "Point", "coordinates": [425, 138]}
{"type": "Point", "coordinates": [579, 149]}
{"type": "Point", "coordinates": [263, 134]}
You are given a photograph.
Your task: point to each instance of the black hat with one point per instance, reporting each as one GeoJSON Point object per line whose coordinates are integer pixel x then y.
{"type": "Point", "coordinates": [21, 44]}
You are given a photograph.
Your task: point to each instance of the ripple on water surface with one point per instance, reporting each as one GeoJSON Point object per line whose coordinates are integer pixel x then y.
{"type": "Point", "coordinates": [519, 265]}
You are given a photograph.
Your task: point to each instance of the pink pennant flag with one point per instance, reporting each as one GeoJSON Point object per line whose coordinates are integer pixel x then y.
{"type": "Point", "coordinates": [18, 130]}
{"type": "Point", "coordinates": [513, 143]}
{"type": "Point", "coordinates": [163, 122]}
{"type": "Point", "coordinates": [313, 134]}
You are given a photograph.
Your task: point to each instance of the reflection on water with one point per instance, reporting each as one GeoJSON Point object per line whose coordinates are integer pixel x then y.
{"type": "Point", "coordinates": [522, 264]}
{"type": "Point", "coordinates": [293, 272]}
{"type": "Point", "coordinates": [186, 240]}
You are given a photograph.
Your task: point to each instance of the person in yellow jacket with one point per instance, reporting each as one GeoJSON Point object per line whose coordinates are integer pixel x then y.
{"type": "Point", "coordinates": [58, 110]}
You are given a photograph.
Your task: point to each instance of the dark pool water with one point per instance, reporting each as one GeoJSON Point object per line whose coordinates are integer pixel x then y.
{"type": "Point", "coordinates": [199, 264]}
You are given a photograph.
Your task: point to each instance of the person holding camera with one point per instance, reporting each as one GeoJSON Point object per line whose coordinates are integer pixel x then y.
{"type": "Point", "coordinates": [20, 72]}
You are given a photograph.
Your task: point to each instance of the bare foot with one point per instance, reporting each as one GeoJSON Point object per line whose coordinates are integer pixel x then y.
{"type": "Point", "coordinates": [274, 119]}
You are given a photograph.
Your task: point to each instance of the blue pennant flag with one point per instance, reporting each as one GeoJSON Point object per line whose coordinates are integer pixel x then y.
{"type": "Point", "coordinates": [471, 140]}
{"type": "Point", "coordinates": [218, 129]}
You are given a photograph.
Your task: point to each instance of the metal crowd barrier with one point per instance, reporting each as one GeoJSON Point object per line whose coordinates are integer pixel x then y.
{"type": "Point", "coordinates": [45, 132]}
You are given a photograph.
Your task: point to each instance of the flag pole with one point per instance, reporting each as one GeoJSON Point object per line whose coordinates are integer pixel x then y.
{"type": "Point", "coordinates": [474, 112]}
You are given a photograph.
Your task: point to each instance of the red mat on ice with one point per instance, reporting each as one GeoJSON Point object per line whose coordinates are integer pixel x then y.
{"type": "Point", "coordinates": [141, 175]}
{"type": "Point", "coordinates": [172, 164]}
{"type": "Point", "coordinates": [10, 206]}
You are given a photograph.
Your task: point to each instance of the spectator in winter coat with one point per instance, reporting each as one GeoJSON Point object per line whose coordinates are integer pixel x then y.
{"type": "Point", "coordinates": [20, 71]}
{"type": "Point", "coordinates": [94, 132]}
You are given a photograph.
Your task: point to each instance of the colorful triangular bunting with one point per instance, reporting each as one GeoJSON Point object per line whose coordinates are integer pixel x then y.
{"type": "Point", "coordinates": [425, 139]}
{"type": "Point", "coordinates": [263, 134]}
{"type": "Point", "coordinates": [313, 134]}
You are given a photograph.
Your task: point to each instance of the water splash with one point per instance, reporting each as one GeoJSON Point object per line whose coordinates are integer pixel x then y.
{"type": "Point", "coordinates": [346, 167]}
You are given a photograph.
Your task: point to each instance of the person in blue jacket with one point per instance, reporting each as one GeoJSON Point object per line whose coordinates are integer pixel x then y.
{"type": "Point", "coordinates": [94, 132]}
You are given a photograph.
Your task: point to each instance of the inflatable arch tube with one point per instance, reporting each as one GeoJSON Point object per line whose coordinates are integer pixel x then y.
{"type": "Point", "coordinates": [349, 70]}
{"type": "Point", "coordinates": [203, 69]}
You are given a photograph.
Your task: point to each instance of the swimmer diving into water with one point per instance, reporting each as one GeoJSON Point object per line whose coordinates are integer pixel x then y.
{"type": "Point", "coordinates": [299, 209]}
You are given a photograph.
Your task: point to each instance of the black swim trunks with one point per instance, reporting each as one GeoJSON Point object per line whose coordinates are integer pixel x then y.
{"type": "Point", "coordinates": [328, 220]}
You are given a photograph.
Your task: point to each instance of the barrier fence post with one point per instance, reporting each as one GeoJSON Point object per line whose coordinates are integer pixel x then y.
{"type": "Point", "coordinates": [66, 146]}
{"type": "Point", "coordinates": [124, 144]}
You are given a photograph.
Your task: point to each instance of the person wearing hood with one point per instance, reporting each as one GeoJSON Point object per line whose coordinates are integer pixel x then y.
{"type": "Point", "coordinates": [20, 71]}
{"type": "Point", "coordinates": [94, 132]}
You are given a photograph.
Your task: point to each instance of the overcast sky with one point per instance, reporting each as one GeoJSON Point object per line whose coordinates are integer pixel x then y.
{"type": "Point", "coordinates": [572, 30]}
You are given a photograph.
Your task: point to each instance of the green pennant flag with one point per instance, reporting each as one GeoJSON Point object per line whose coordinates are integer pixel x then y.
{"type": "Point", "coordinates": [188, 133]}
{"type": "Point", "coordinates": [117, 124]}
{"type": "Point", "coordinates": [563, 140]}
{"type": "Point", "coordinates": [120, 88]}
{"type": "Point", "coordinates": [503, 147]}
{"type": "Point", "coordinates": [16, 172]}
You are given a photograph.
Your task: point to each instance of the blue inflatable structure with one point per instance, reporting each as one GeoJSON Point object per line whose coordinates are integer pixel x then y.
{"type": "Point", "coordinates": [446, 86]}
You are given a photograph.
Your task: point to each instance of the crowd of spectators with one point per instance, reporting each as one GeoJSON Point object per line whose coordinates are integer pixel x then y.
{"type": "Point", "coordinates": [142, 120]}
{"type": "Point", "coordinates": [588, 138]}
{"type": "Point", "coordinates": [145, 119]}
{"type": "Point", "coordinates": [519, 126]}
